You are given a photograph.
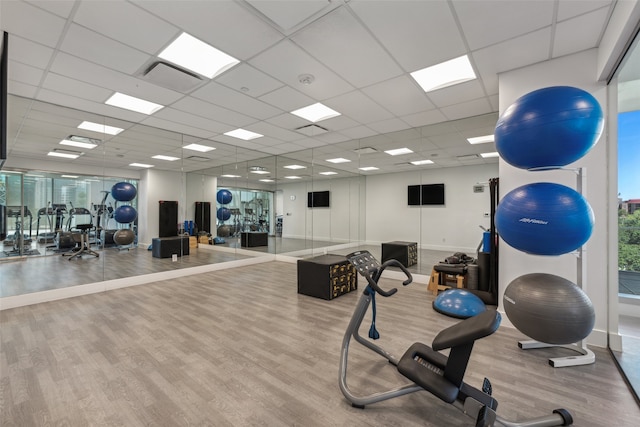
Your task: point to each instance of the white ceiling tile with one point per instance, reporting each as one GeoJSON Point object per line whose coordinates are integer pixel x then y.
{"type": "Point", "coordinates": [424, 118]}
{"type": "Point", "coordinates": [181, 117]}
{"type": "Point", "coordinates": [176, 127]}
{"type": "Point", "coordinates": [467, 109]}
{"type": "Point", "coordinates": [286, 62]}
{"type": "Point", "coordinates": [418, 34]}
{"type": "Point", "coordinates": [225, 25]}
{"type": "Point", "coordinates": [456, 94]}
{"type": "Point", "coordinates": [288, 14]}
{"type": "Point", "coordinates": [273, 131]}
{"type": "Point", "coordinates": [493, 21]}
{"type": "Point", "coordinates": [29, 53]}
{"type": "Point", "coordinates": [287, 99]}
{"type": "Point", "coordinates": [61, 8]}
{"type": "Point", "coordinates": [26, 74]}
{"type": "Point", "coordinates": [205, 109]}
{"type": "Point", "coordinates": [576, 34]}
{"type": "Point", "coordinates": [358, 107]}
{"type": "Point", "coordinates": [571, 9]}
{"type": "Point", "coordinates": [390, 125]}
{"type": "Point", "coordinates": [358, 132]}
{"type": "Point", "coordinates": [126, 23]}
{"type": "Point", "coordinates": [401, 96]}
{"type": "Point", "coordinates": [250, 81]}
{"type": "Point", "coordinates": [236, 101]}
{"type": "Point", "coordinates": [29, 22]}
{"type": "Point", "coordinates": [287, 121]}
{"type": "Point", "coordinates": [325, 40]}
{"type": "Point", "coordinates": [96, 48]}
{"type": "Point", "coordinates": [58, 83]}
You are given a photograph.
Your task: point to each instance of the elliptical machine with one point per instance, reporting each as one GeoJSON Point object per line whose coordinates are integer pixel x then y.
{"type": "Point", "coordinates": [425, 366]}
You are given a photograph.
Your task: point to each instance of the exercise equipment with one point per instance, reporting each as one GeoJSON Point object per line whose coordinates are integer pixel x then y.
{"type": "Point", "coordinates": [125, 214]}
{"type": "Point", "coordinates": [458, 303]}
{"type": "Point", "coordinates": [20, 240]}
{"type": "Point", "coordinates": [82, 239]}
{"type": "Point", "coordinates": [223, 214]}
{"type": "Point", "coordinates": [124, 236]}
{"type": "Point", "coordinates": [549, 128]}
{"type": "Point", "coordinates": [549, 308]}
{"type": "Point", "coordinates": [224, 196]}
{"type": "Point", "coordinates": [427, 368]}
{"type": "Point", "coordinates": [123, 191]}
{"type": "Point", "coordinates": [544, 218]}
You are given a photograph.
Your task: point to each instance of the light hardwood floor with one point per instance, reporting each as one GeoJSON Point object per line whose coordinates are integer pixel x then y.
{"type": "Point", "coordinates": [240, 347]}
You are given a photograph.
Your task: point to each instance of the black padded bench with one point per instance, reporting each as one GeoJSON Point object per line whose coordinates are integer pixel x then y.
{"type": "Point", "coordinates": [166, 247]}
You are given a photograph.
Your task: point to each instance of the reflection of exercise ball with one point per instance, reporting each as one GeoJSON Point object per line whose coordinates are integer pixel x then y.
{"type": "Point", "coordinates": [125, 214]}
{"type": "Point", "coordinates": [123, 192]}
{"type": "Point", "coordinates": [223, 214]}
{"type": "Point", "coordinates": [544, 218]}
{"type": "Point", "coordinates": [549, 308]}
{"type": "Point", "coordinates": [458, 303]}
{"type": "Point", "coordinates": [549, 127]}
{"type": "Point", "coordinates": [124, 236]}
{"type": "Point", "coordinates": [224, 230]}
{"type": "Point", "coordinates": [224, 196]}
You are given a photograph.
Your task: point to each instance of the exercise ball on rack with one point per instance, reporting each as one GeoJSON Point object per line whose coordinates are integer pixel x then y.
{"type": "Point", "coordinates": [125, 214]}
{"type": "Point", "coordinates": [123, 191]}
{"type": "Point", "coordinates": [224, 196]}
{"type": "Point", "coordinates": [544, 218]}
{"type": "Point", "coordinates": [223, 214]}
{"type": "Point", "coordinates": [549, 308]}
{"type": "Point", "coordinates": [458, 303]}
{"type": "Point", "coordinates": [124, 236]}
{"type": "Point", "coordinates": [549, 128]}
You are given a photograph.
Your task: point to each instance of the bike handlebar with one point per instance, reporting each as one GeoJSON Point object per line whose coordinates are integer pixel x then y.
{"type": "Point", "coordinates": [378, 272]}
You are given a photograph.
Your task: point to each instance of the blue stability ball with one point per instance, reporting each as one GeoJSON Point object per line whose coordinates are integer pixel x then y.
{"type": "Point", "coordinates": [125, 214]}
{"type": "Point", "coordinates": [544, 218]}
{"type": "Point", "coordinates": [224, 196]}
{"type": "Point", "coordinates": [223, 214]}
{"type": "Point", "coordinates": [549, 128]}
{"type": "Point", "coordinates": [549, 308]}
{"type": "Point", "coordinates": [458, 303]}
{"type": "Point", "coordinates": [123, 192]}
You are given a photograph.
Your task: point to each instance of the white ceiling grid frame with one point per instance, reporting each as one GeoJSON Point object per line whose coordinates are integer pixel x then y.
{"type": "Point", "coordinates": [573, 35]}
{"type": "Point", "coordinates": [259, 82]}
{"type": "Point", "coordinates": [205, 109]}
{"type": "Point", "coordinates": [35, 24]}
{"type": "Point", "coordinates": [236, 101]}
{"type": "Point", "coordinates": [399, 96]}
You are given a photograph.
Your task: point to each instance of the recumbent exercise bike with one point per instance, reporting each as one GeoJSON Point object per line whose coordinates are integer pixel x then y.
{"type": "Point", "coordinates": [425, 366]}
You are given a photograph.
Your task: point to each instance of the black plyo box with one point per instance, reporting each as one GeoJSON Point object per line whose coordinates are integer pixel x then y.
{"type": "Point", "coordinates": [165, 247]}
{"type": "Point", "coordinates": [326, 276]}
{"type": "Point", "coordinates": [253, 238]}
{"type": "Point", "coordinates": [405, 252]}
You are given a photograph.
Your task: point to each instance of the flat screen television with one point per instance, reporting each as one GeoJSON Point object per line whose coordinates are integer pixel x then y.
{"type": "Point", "coordinates": [4, 78]}
{"type": "Point", "coordinates": [425, 194]}
{"type": "Point", "coordinates": [318, 199]}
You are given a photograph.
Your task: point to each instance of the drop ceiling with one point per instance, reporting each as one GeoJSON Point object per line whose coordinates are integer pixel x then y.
{"type": "Point", "coordinates": [67, 57]}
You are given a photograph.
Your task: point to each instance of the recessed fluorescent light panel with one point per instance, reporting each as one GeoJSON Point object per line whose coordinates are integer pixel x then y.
{"type": "Point", "coordinates": [266, 180]}
{"type": "Point", "coordinates": [481, 139]}
{"type": "Point", "coordinates": [132, 103]}
{"type": "Point", "coordinates": [79, 144]}
{"type": "Point", "coordinates": [294, 167]}
{"type": "Point", "coordinates": [422, 162]}
{"type": "Point", "coordinates": [487, 155]}
{"type": "Point", "coordinates": [140, 165]}
{"type": "Point", "coordinates": [198, 56]}
{"type": "Point", "coordinates": [167, 158]}
{"type": "Point", "coordinates": [316, 112]}
{"type": "Point", "coordinates": [198, 147]}
{"type": "Point", "coordinates": [338, 160]}
{"type": "Point", "coordinates": [69, 176]}
{"type": "Point", "coordinates": [230, 176]}
{"type": "Point", "coordinates": [329, 173]}
{"type": "Point", "coordinates": [243, 134]}
{"type": "Point", "coordinates": [398, 151]}
{"type": "Point", "coordinates": [64, 154]}
{"type": "Point", "coordinates": [449, 73]}
{"type": "Point", "coordinates": [97, 127]}
{"type": "Point", "coordinates": [293, 177]}
{"type": "Point", "coordinates": [369, 168]}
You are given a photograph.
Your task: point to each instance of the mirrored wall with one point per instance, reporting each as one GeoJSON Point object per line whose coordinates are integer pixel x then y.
{"type": "Point", "coordinates": [230, 202]}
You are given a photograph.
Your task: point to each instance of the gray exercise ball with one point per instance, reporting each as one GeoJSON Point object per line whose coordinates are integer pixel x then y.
{"type": "Point", "coordinates": [124, 237]}
{"type": "Point", "coordinates": [549, 308]}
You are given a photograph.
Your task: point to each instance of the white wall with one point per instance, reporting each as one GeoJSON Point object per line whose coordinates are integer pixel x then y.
{"type": "Point", "coordinates": [577, 70]}
{"type": "Point", "coordinates": [158, 185]}
{"type": "Point", "coordinates": [452, 227]}
{"type": "Point", "coordinates": [201, 188]}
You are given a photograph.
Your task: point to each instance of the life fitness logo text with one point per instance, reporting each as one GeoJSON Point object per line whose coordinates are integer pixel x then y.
{"type": "Point", "coordinates": [533, 221]}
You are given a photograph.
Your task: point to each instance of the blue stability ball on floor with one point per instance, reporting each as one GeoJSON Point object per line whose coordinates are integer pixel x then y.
{"type": "Point", "coordinates": [549, 127]}
{"type": "Point", "coordinates": [123, 192]}
{"type": "Point", "coordinates": [458, 303]}
{"type": "Point", "coordinates": [224, 197]}
{"type": "Point", "coordinates": [544, 218]}
{"type": "Point", "coordinates": [549, 308]}
{"type": "Point", "coordinates": [223, 214]}
{"type": "Point", "coordinates": [125, 214]}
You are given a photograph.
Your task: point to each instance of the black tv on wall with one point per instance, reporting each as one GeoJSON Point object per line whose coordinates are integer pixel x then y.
{"type": "Point", "coordinates": [425, 194]}
{"type": "Point", "coordinates": [318, 199]}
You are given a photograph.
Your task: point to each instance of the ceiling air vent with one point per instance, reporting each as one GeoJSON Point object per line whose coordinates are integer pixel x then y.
{"type": "Point", "coordinates": [171, 77]}
{"type": "Point", "coordinates": [365, 150]}
{"type": "Point", "coordinates": [467, 157]}
{"type": "Point", "coordinates": [197, 158]}
{"type": "Point", "coordinates": [312, 130]}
